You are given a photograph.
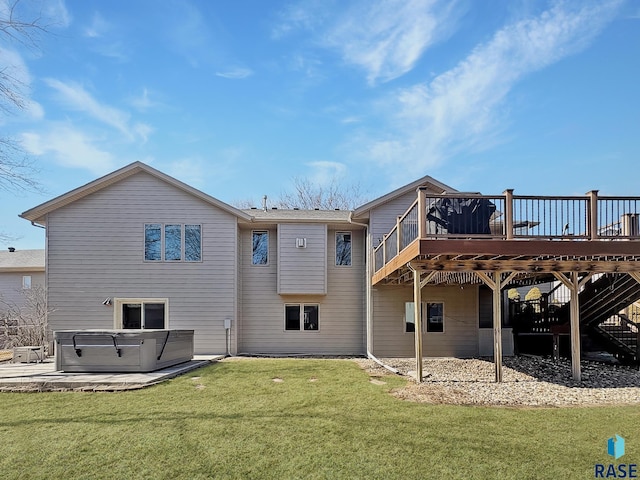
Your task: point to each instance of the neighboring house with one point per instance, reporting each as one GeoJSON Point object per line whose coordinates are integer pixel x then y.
{"type": "Point", "coordinates": [22, 279]}
{"type": "Point", "coordinates": [20, 272]}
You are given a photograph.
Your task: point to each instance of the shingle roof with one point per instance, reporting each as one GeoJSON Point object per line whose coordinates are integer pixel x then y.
{"type": "Point", "coordinates": [306, 216]}
{"type": "Point", "coordinates": [22, 260]}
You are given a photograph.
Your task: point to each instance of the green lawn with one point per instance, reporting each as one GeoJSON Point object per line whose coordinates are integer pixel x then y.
{"type": "Point", "coordinates": [324, 420]}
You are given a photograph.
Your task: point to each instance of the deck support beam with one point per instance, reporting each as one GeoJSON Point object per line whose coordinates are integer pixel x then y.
{"type": "Point", "coordinates": [573, 283]}
{"type": "Point", "coordinates": [418, 284]}
{"type": "Point", "coordinates": [495, 282]}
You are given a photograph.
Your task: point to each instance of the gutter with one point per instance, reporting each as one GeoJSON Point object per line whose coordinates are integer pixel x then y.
{"type": "Point", "coordinates": [368, 296]}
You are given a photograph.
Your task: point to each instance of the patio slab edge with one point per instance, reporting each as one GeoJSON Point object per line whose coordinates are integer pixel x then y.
{"type": "Point", "coordinates": [56, 381]}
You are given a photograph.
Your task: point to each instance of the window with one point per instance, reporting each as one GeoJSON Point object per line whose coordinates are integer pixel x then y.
{"type": "Point", "coordinates": [301, 317]}
{"type": "Point", "coordinates": [260, 248]}
{"type": "Point", "coordinates": [141, 314]}
{"type": "Point", "coordinates": [152, 245]}
{"type": "Point", "coordinates": [172, 242]}
{"type": "Point", "coordinates": [26, 282]}
{"type": "Point", "coordinates": [343, 248]}
{"type": "Point", "coordinates": [435, 317]}
{"type": "Point", "coordinates": [432, 317]}
{"type": "Point", "coordinates": [192, 243]}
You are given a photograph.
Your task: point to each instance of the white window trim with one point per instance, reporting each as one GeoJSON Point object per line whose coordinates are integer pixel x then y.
{"type": "Point", "coordinates": [335, 246]}
{"type": "Point", "coordinates": [117, 309]}
{"type": "Point", "coordinates": [424, 318]}
{"type": "Point", "coordinates": [268, 248]}
{"type": "Point", "coordinates": [27, 282]}
{"type": "Point", "coordinates": [183, 236]}
{"type": "Point", "coordinates": [300, 306]}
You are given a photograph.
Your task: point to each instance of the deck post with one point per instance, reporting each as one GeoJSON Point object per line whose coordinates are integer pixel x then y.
{"type": "Point", "coordinates": [593, 214]}
{"type": "Point", "coordinates": [575, 327]}
{"type": "Point", "coordinates": [573, 284]}
{"type": "Point", "coordinates": [417, 318]}
{"type": "Point", "coordinates": [495, 284]}
{"type": "Point", "coordinates": [422, 212]}
{"type": "Point", "coordinates": [497, 326]}
{"type": "Point", "coordinates": [398, 235]}
{"type": "Point", "coordinates": [417, 312]}
{"type": "Point", "coordinates": [508, 213]}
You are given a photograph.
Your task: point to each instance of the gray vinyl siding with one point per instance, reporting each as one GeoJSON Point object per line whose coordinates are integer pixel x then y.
{"type": "Point", "coordinates": [342, 323]}
{"type": "Point", "coordinates": [11, 291]}
{"type": "Point", "coordinates": [302, 270]}
{"type": "Point", "coordinates": [460, 337]}
{"type": "Point", "coordinates": [384, 218]}
{"type": "Point", "coordinates": [388, 303]}
{"type": "Point", "coordinates": [96, 251]}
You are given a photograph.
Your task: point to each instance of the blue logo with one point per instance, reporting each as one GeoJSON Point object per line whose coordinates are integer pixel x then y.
{"type": "Point", "coordinates": [615, 449]}
{"type": "Point", "coordinates": [615, 446]}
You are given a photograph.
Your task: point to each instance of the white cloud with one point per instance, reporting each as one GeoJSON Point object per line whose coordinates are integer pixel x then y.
{"type": "Point", "coordinates": [461, 109]}
{"type": "Point", "coordinates": [57, 11]}
{"type": "Point", "coordinates": [235, 73]}
{"type": "Point", "coordinates": [142, 130]}
{"type": "Point", "coordinates": [384, 38]}
{"type": "Point", "coordinates": [98, 27]}
{"type": "Point", "coordinates": [144, 102]}
{"type": "Point", "coordinates": [75, 97]}
{"type": "Point", "coordinates": [15, 77]}
{"type": "Point", "coordinates": [190, 170]}
{"type": "Point", "coordinates": [304, 15]}
{"type": "Point", "coordinates": [69, 148]}
{"type": "Point", "coordinates": [324, 172]}
{"type": "Point", "coordinates": [387, 38]}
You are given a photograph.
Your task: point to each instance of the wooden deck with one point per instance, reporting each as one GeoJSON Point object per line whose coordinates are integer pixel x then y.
{"type": "Point", "coordinates": [607, 238]}
{"type": "Point", "coordinates": [503, 239]}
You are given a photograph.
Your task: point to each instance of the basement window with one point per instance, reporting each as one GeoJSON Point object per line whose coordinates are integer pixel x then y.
{"type": "Point", "coordinates": [432, 317]}
{"type": "Point", "coordinates": [301, 317]}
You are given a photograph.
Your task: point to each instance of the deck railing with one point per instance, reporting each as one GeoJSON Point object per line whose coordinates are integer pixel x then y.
{"type": "Point", "coordinates": [511, 217]}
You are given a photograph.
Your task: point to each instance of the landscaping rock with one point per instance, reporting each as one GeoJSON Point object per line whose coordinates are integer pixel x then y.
{"type": "Point", "coordinates": [527, 381]}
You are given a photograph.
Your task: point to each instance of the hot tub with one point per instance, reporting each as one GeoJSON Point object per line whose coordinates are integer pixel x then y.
{"type": "Point", "coordinates": [121, 350]}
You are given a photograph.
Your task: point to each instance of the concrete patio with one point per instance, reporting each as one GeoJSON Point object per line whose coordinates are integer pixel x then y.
{"type": "Point", "coordinates": [21, 377]}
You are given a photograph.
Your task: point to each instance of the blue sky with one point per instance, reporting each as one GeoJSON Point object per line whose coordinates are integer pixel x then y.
{"type": "Point", "coordinates": [239, 97]}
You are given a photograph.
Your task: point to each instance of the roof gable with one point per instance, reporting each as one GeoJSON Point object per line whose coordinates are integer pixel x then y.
{"type": "Point", "coordinates": [425, 181]}
{"type": "Point", "coordinates": [37, 214]}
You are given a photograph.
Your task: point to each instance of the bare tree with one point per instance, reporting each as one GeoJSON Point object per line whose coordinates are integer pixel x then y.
{"type": "Point", "coordinates": [25, 322]}
{"type": "Point", "coordinates": [334, 195]}
{"type": "Point", "coordinates": [17, 172]}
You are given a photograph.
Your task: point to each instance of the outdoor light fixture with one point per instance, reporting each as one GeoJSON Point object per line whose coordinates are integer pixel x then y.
{"type": "Point", "coordinates": [107, 301]}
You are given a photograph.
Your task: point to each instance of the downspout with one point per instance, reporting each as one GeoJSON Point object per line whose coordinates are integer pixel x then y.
{"type": "Point", "coordinates": [368, 296]}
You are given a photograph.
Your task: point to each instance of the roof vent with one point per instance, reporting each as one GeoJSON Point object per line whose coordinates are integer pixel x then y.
{"type": "Point", "coordinates": [12, 249]}
{"type": "Point", "coordinates": [296, 208]}
{"type": "Point", "coordinates": [316, 209]}
{"type": "Point", "coordinates": [337, 209]}
{"type": "Point", "coordinates": [274, 208]}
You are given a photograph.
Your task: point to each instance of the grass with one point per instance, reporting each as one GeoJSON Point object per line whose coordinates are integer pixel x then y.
{"type": "Point", "coordinates": [324, 420]}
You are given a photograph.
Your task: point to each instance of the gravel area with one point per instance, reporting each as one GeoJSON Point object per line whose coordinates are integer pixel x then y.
{"type": "Point", "coordinates": [528, 381]}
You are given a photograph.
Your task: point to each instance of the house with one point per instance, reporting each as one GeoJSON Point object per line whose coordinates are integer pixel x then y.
{"type": "Point", "coordinates": [22, 279]}
{"type": "Point", "coordinates": [140, 249]}
{"type": "Point", "coordinates": [21, 271]}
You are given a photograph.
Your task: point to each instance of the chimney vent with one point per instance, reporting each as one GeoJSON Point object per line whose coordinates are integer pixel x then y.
{"type": "Point", "coordinates": [12, 249]}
